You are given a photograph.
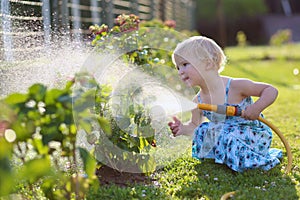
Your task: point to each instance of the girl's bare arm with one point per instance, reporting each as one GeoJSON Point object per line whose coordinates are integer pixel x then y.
{"type": "Point", "coordinates": [267, 95]}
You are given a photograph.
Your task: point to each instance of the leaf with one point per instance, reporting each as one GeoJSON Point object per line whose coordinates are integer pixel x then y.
{"type": "Point", "coordinates": [65, 98]}
{"type": "Point", "coordinates": [33, 115]}
{"type": "Point", "coordinates": [23, 131]}
{"type": "Point", "coordinates": [6, 113]}
{"type": "Point", "coordinates": [38, 91]}
{"type": "Point", "coordinates": [5, 149]}
{"type": "Point", "coordinates": [35, 169]}
{"type": "Point", "coordinates": [38, 145]}
{"type": "Point", "coordinates": [48, 186]}
{"type": "Point", "coordinates": [89, 162]}
{"type": "Point", "coordinates": [51, 133]}
{"type": "Point", "coordinates": [105, 125]}
{"type": "Point", "coordinates": [85, 125]}
{"type": "Point", "coordinates": [52, 95]}
{"type": "Point", "coordinates": [84, 101]}
{"type": "Point", "coordinates": [16, 98]}
{"type": "Point", "coordinates": [50, 109]}
{"type": "Point", "coordinates": [73, 129]}
{"type": "Point", "coordinates": [7, 182]}
{"type": "Point", "coordinates": [146, 163]}
{"type": "Point", "coordinates": [69, 84]}
{"type": "Point", "coordinates": [142, 143]}
{"type": "Point", "coordinates": [123, 122]}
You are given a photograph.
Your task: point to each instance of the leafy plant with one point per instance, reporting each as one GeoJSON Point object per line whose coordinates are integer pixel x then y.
{"type": "Point", "coordinates": [281, 37]}
{"type": "Point", "coordinates": [241, 39]}
{"type": "Point", "coordinates": [123, 135]}
{"type": "Point", "coordinates": [44, 145]}
{"type": "Point", "coordinates": [131, 129]}
{"type": "Point", "coordinates": [131, 37]}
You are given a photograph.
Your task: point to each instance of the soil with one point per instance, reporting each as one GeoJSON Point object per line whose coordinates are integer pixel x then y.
{"type": "Point", "coordinates": [109, 176]}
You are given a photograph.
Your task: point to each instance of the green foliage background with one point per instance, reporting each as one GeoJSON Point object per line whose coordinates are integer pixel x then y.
{"type": "Point", "coordinates": [233, 9]}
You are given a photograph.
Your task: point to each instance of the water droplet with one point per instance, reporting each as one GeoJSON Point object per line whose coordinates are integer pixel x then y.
{"type": "Point", "coordinates": [10, 135]}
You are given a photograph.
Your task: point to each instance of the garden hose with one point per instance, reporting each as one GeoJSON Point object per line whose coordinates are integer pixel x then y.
{"type": "Point", "coordinates": [227, 195]}
{"type": "Point", "coordinates": [236, 111]}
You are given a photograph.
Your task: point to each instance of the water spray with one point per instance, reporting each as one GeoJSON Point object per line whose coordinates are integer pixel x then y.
{"type": "Point", "coordinates": [236, 111]}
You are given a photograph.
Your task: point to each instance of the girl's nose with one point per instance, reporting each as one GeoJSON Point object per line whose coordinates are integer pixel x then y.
{"type": "Point", "coordinates": [180, 71]}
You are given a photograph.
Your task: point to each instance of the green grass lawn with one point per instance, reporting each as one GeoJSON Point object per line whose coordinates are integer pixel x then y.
{"type": "Point", "coordinates": [187, 178]}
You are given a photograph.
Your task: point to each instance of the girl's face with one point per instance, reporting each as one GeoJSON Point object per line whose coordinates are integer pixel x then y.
{"type": "Point", "coordinates": [187, 72]}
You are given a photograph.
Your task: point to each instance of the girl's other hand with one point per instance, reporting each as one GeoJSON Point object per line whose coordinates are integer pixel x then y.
{"type": "Point", "coordinates": [176, 126]}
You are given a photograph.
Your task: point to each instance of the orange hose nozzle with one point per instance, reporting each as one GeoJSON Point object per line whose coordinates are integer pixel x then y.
{"type": "Point", "coordinates": [221, 109]}
{"type": "Point", "coordinates": [208, 107]}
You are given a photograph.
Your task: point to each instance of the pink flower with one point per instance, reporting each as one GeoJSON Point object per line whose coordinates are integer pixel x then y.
{"type": "Point", "coordinates": [128, 22]}
{"type": "Point", "coordinates": [3, 126]}
{"type": "Point", "coordinates": [170, 23]}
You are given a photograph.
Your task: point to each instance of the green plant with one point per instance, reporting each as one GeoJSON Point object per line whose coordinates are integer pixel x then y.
{"type": "Point", "coordinates": [241, 38]}
{"type": "Point", "coordinates": [135, 40]}
{"type": "Point", "coordinates": [42, 137]}
{"type": "Point", "coordinates": [125, 131]}
{"type": "Point", "coordinates": [281, 37]}
{"type": "Point", "coordinates": [140, 45]}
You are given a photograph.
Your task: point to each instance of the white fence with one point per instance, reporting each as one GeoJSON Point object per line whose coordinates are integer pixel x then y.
{"type": "Point", "coordinates": [29, 25]}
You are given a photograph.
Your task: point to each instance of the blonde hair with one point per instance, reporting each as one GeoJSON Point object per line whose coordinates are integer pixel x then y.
{"type": "Point", "coordinates": [198, 48]}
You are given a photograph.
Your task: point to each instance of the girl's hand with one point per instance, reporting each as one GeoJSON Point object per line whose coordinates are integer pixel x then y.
{"type": "Point", "coordinates": [251, 113]}
{"type": "Point", "coordinates": [176, 127]}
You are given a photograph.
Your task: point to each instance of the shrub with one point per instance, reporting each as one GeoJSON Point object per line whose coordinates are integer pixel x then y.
{"type": "Point", "coordinates": [44, 145]}
{"type": "Point", "coordinates": [146, 46]}
{"type": "Point", "coordinates": [241, 39]}
{"type": "Point", "coordinates": [282, 36]}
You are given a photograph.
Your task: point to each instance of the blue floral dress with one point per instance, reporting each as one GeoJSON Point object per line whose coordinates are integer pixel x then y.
{"type": "Point", "coordinates": [239, 143]}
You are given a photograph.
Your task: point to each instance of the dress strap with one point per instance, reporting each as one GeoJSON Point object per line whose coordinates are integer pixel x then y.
{"type": "Point", "coordinates": [227, 90]}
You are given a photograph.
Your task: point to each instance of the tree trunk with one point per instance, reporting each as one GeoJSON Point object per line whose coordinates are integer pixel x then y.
{"type": "Point", "coordinates": [221, 23]}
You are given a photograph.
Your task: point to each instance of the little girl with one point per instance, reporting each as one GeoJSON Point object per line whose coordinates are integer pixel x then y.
{"type": "Point", "coordinates": [239, 142]}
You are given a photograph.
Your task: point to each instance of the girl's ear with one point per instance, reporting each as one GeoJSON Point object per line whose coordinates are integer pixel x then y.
{"type": "Point", "coordinates": [209, 65]}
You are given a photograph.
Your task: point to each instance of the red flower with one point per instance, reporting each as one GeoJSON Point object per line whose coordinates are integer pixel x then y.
{"type": "Point", "coordinates": [128, 22]}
